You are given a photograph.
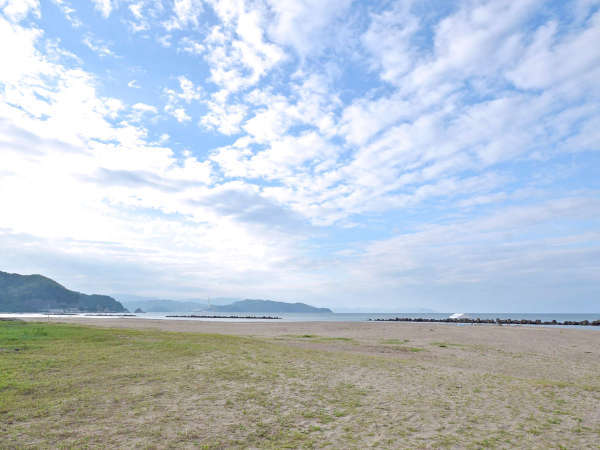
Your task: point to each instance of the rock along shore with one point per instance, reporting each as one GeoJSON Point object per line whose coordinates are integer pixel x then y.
{"type": "Point", "coordinates": [594, 323]}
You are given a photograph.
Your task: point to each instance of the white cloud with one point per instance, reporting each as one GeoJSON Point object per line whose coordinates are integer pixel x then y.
{"type": "Point", "coordinates": [133, 84]}
{"type": "Point", "coordinates": [388, 39]}
{"type": "Point", "coordinates": [144, 107]}
{"type": "Point", "coordinates": [237, 52]}
{"type": "Point", "coordinates": [283, 159]}
{"type": "Point", "coordinates": [179, 114]}
{"type": "Point", "coordinates": [136, 10]}
{"type": "Point", "coordinates": [272, 122]}
{"type": "Point", "coordinates": [98, 46]}
{"type": "Point", "coordinates": [224, 117]}
{"type": "Point", "coordinates": [69, 13]}
{"type": "Point", "coordinates": [139, 110]}
{"type": "Point", "coordinates": [185, 13]}
{"type": "Point", "coordinates": [188, 45]}
{"type": "Point", "coordinates": [17, 10]}
{"type": "Point", "coordinates": [164, 41]}
{"type": "Point", "coordinates": [305, 25]}
{"type": "Point", "coordinates": [188, 93]}
{"type": "Point", "coordinates": [141, 11]}
{"type": "Point", "coordinates": [105, 7]}
{"type": "Point", "coordinates": [550, 59]}
{"type": "Point", "coordinates": [374, 115]}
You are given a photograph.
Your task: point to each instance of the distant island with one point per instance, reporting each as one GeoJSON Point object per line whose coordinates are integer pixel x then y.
{"type": "Point", "coordinates": [268, 306]}
{"type": "Point", "coordinates": [36, 293]}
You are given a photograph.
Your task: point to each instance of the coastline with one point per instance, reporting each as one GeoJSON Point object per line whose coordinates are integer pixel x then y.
{"type": "Point", "coordinates": [570, 320]}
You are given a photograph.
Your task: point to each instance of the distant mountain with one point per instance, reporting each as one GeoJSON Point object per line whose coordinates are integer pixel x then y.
{"type": "Point", "coordinates": [268, 306]}
{"type": "Point", "coordinates": [36, 293]}
{"type": "Point", "coordinates": [221, 304]}
{"type": "Point", "coordinates": [157, 305]}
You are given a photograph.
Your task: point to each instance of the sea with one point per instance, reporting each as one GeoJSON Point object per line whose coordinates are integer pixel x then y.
{"type": "Point", "coordinates": [333, 317]}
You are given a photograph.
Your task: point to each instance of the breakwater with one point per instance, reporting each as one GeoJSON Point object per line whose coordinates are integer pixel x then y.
{"type": "Point", "coordinates": [466, 320]}
{"type": "Point", "coordinates": [193, 316]}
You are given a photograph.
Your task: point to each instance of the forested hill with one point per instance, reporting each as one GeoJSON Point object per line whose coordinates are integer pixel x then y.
{"type": "Point", "coordinates": [36, 293]}
{"type": "Point", "coordinates": [268, 306]}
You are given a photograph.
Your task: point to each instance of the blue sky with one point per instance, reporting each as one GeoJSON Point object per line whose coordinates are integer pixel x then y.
{"type": "Point", "coordinates": [374, 155]}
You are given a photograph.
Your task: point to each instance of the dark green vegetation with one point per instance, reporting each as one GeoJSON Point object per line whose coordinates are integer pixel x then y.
{"type": "Point", "coordinates": [36, 293]}
{"type": "Point", "coordinates": [268, 306]}
{"type": "Point", "coordinates": [71, 386]}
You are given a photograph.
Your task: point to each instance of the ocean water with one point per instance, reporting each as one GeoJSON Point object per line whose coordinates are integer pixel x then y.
{"type": "Point", "coordinates": [342, 317]}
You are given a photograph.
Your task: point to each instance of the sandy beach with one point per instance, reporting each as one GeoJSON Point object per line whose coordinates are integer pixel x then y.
{"type": "Point", "coordinates": [338, 385]}
{"type": "Point", "coordinates": [549, 341]}
{"type": "Point", "coordinates": [563, 353]}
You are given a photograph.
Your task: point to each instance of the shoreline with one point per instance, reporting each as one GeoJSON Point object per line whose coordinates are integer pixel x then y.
{"type": "Point", "coordinates": [115, 319]}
